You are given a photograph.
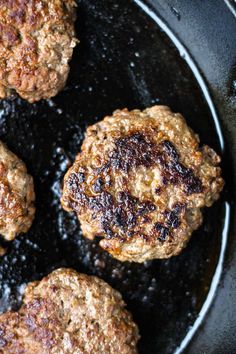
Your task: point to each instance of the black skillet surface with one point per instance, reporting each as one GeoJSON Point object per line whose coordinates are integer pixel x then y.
{"type": "Point", "coordinates": [123, 60]}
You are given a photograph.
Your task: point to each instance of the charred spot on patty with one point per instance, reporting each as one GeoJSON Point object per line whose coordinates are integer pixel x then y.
{"type": "Point", "coordinates": [173, 216]}
{"type": "Point", "coordinates": [170, 150]}
{"type": "Point", "coordinates": [162, 231]}
{"type": "Point", "coordinates": [119, 213]}
{"type": "Point", "coordinates": [137, 150]}
{"type": "Point", "coordinates": [132, 151]}
{"type": "Point", "coordinates": [172, 221]}
{"type": "Point", "coordinates": [175, 172]}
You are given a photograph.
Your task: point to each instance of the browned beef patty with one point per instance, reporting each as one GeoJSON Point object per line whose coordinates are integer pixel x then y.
{"type": "Point", "coordinates": [37, 38]}
{"type": "Point", "coordinates": [16, 195]}
{"type": "Point", "coordinates": [69, 313]}
{"type": "Point", "coordinates": [140, 183]}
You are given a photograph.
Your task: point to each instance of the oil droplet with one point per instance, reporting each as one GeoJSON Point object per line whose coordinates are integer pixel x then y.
{"type": "Point", "coordinates": [175, 12]}
{"type": "Point", "coordinates": [233, 89]}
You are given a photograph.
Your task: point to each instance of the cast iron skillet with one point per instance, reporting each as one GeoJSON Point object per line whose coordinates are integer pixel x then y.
{"type": "Point", "coordinates": [126, 58]}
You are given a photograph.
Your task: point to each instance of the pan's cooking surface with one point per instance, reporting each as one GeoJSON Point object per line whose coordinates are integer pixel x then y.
{"type": "Point", "coordinates": [123, 60]}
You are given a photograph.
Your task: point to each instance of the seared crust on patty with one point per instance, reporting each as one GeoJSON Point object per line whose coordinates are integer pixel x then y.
{"type": "Point", "coordinates": [16, 195]}
{"type": "Point", "coordinates": [37, 38]}
{"type": "Point", "coordinates": [68, 313]}
{"type": "Point", "coordinates": [140, 183]}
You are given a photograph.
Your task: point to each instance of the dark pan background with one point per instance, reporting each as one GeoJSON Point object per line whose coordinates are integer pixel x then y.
{"type": "Point", "coordinates": [125, 60]}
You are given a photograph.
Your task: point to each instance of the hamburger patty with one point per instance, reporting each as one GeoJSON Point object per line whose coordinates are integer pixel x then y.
{"type": "Point", "coordinates": [37, 38]}
{"type": "Point", "coordinates": [140, 183]}
{"type": "Point", "coordinates": [16, 195]}
{"type": "Point", "coordinates": [68, 313]}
